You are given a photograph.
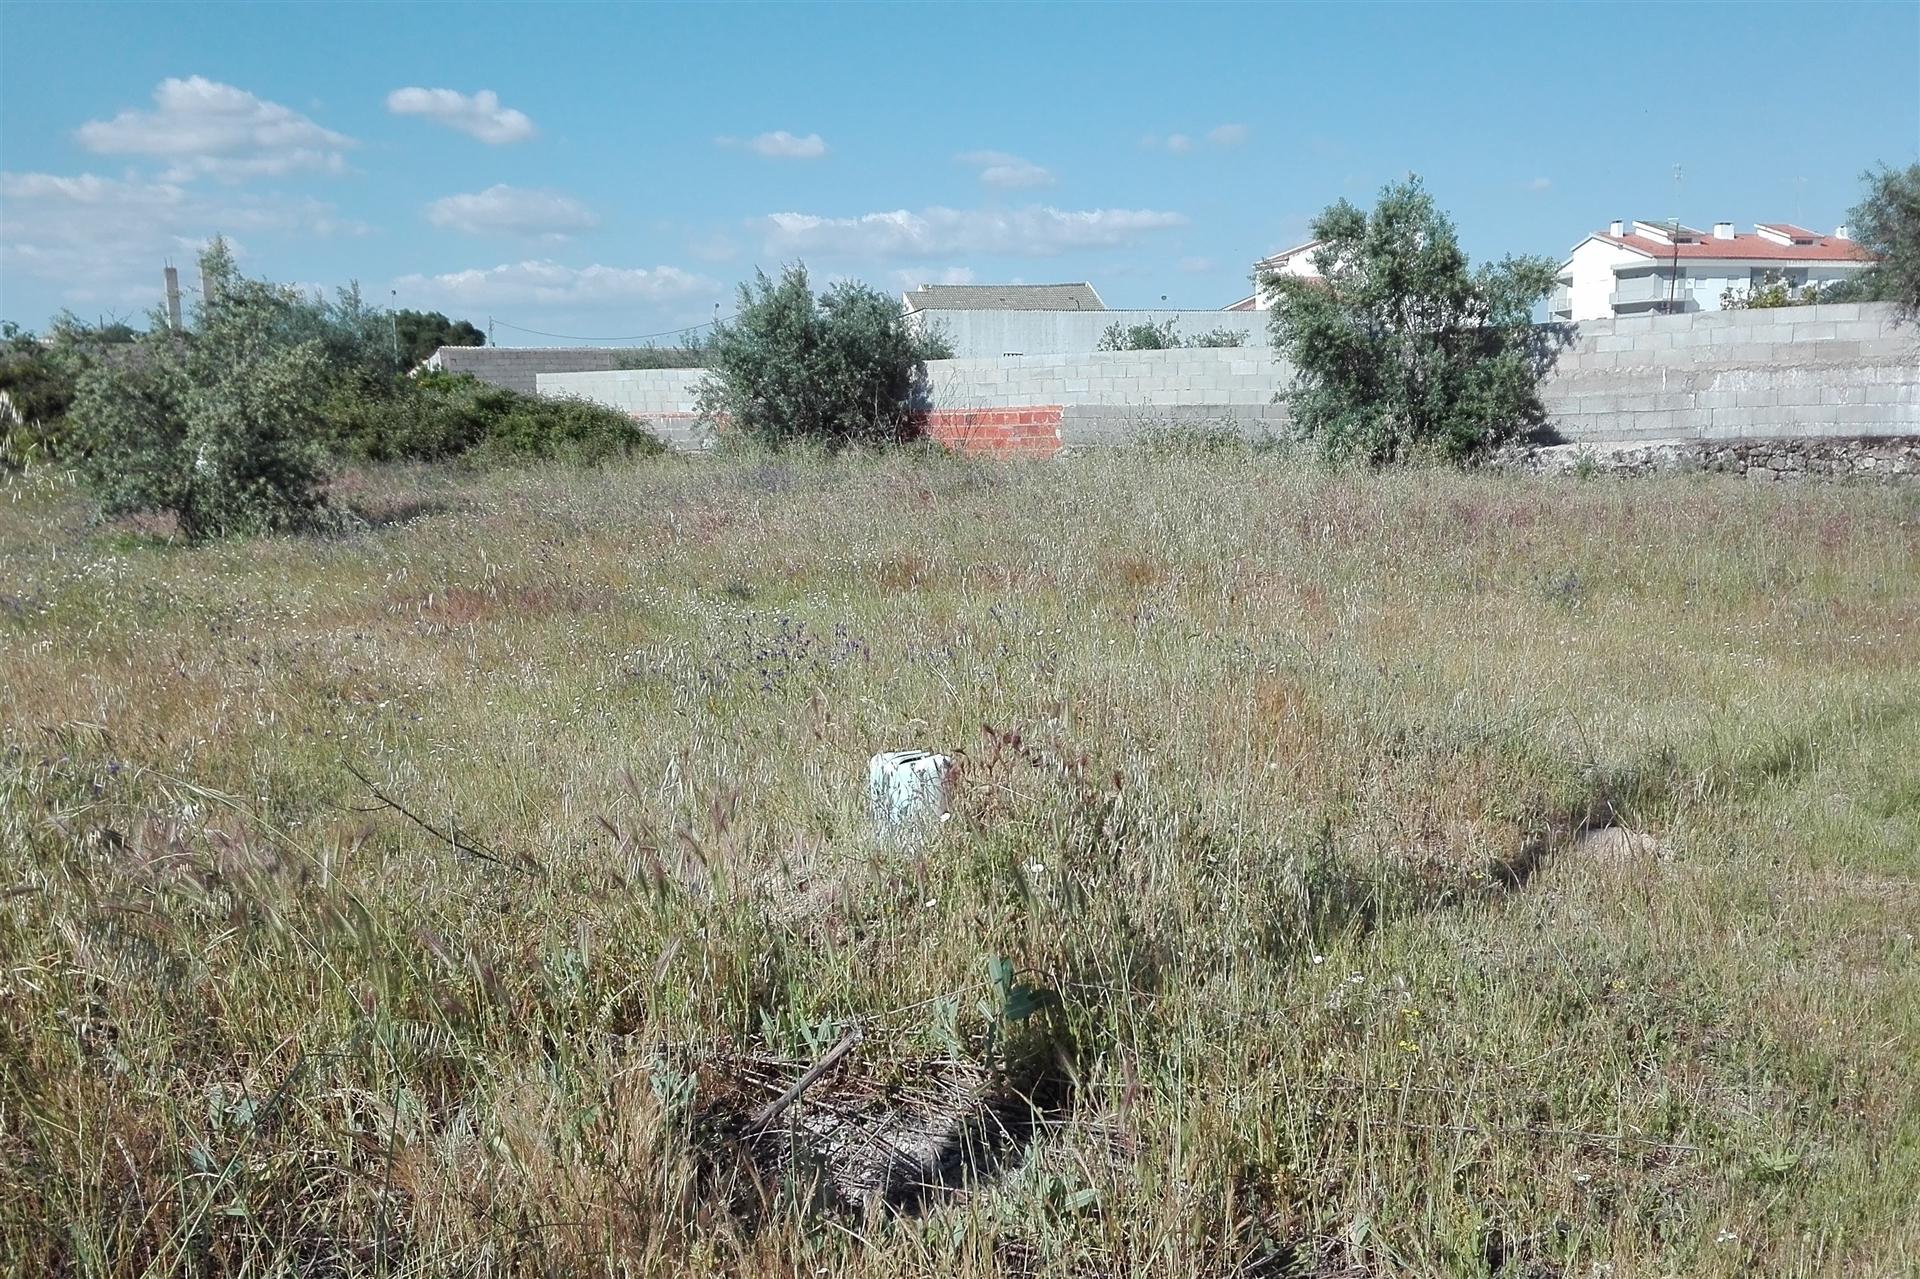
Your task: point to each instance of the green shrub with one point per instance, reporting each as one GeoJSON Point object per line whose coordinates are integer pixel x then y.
{"type": "Point", "coordinates": [221, 431]}
{"type": "Point", "coordinates": [693, 355]}
{"type": "Point", "coordinates": [1886, 223]}
{"type": "Point", "coordinates": [842, 368]}
{"type": "Point", "coordinates": [528, 427]}
{"type": "Point", "coordinates": [1401, 350]}
{"type": "Point", "coordinates": [435, 416]}
{"type": "Point", "coordinates": [39, 379]}
{"type": "Point", "coordinates": [1164, 336]}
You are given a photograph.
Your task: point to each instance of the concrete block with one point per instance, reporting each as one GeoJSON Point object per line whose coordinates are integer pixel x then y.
{"type": "Point", "coordinates": [1857, 330]}
{"type": "Point", "coordinates": [1814, 331]}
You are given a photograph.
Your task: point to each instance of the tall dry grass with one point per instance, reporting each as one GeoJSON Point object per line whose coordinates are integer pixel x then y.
{"type": "Point", "coordinates": [1270, 777]}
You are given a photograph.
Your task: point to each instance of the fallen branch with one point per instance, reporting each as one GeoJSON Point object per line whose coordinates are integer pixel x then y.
{"type": "Point", "coordinates": [451, 837]}
{"type": "Point", "coordinates": [765, 1116]}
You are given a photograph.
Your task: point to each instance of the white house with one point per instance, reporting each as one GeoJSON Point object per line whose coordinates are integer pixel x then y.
{"type": "Point", "coordinates": [1640, 267]}
{"type": "Point", "coordinates": [1296, 262]}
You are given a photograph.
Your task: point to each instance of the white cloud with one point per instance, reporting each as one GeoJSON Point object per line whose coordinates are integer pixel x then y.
{"type": "Point", "coordinates": [1196, 265]}
{"type": "Point", "coordinates": [1223, 135]}
{"type": "Point", "coordinates": [937, 232]}
{"type": "Point", "coordinates": [1008, 172]}
{"type": "Point", "coordinates": [547, 282]}
{"type": "Point", "coordinates": [714, 247]}
{"type": "Point", "coordinates": [780, 145]}
{"type": "Point", "coordinates": [1540, 184]}
{"type": "Point", "coordinates": [101, 241]}
{"type": "Point", "coordinates": [203, 127]}
{"type": "Point", "coordinates": [505, 210]}
{"type": "Point", "coordinates": [478, 115]}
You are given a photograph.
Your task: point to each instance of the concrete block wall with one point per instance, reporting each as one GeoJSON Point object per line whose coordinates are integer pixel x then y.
{"type": "Point", "coordinates": [517, 368]}
{"type": "Point", "coordinates": [1842, 371]}
{"type": "Point", "coordinates": [990, 335]}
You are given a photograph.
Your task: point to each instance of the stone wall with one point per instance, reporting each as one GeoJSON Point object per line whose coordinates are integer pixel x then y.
{"type": "Point", "coordinates": [1884, 458]}
{"type": "Point", "coordinates": [1839, 372]}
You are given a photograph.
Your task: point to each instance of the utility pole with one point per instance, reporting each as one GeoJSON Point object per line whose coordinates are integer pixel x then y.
{"type": "Point", "coordinates": [1673, 268]}
{"type": "Point", "coordinates": [173, 298]}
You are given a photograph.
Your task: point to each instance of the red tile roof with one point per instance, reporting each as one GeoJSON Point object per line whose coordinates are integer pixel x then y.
{"type": "Point", "coordinates": [1743, 246]}
{"type": "Point", "coordinates": [1791, 231]}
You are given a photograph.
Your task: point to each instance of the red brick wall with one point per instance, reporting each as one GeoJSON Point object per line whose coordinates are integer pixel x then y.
{"type": "Point", "coordinates": [1032, 432]}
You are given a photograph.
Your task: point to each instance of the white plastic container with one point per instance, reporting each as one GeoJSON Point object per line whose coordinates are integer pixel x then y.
{"type": "Point", "coordinates": [908, 788]}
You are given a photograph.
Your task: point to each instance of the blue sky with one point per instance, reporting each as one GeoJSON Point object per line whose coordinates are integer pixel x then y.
{"type": "Point", "coordinates": [601, 171]}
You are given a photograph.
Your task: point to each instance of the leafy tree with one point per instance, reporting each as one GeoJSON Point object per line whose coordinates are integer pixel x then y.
{"type": "Point", "coordinates": [421, 333]}
{"type": "Point", "coordinates": [844, 367]}
{"type": "Point", "coordinates": [1401, 350]}
{"type": "Point", "coordinates": [221, 426]}
{"type": "Point", "coordinates": [1163, 336]}
{"type": "Point", "coordinates": [39, 378]}
{"type": "Point", "coordinates": [692, 355]}
{"type": "Point", "coordinates": [1887, 224]}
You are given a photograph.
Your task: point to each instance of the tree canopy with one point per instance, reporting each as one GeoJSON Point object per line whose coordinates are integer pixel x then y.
{"type": "Point", "coordinates": [421, 333]}
{"type": "Point", "coordinates": [1402, 350]}
{"type": "Point", "coordinates": [842, 367]}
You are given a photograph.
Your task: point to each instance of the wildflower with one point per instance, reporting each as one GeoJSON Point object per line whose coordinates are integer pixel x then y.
{"type": "Point", "coordinates": [1726, 1236]}
{"type": "Point", "coordinates": [1319, 959]}
{"type": "Point", "coordinates": [1036, 868]}
{"type": "Point", "coordinates": [1408, 1046]}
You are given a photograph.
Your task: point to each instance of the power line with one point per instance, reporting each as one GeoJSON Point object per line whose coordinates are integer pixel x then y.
{"type": "Point", "coordinates": [636, 337]}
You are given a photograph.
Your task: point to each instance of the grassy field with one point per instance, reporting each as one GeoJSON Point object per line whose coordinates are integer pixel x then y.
{"type": "Point", "coordinates": [1287, 920]}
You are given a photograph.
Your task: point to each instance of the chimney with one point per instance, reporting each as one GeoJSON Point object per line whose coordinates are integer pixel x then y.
{"type": "Point", "coordinates": [1723, 230]}
{"type": "Point", "coordinates": [1840, 232]}
{"type": "Point", "coordinates": [1616, 228]}
{"type": "Point", "coordinates": [173, 299]}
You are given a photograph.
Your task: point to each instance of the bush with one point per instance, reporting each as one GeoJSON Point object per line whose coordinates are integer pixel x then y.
{"type": "Point", "coordinates": [843, 368]}
{"type": "Point", "coordinates": [1164, 336]}
{"type": "Point", "coordinates": [1401, 351]}
{"type": "Point", "coordinates": [222, 431]}
{"type": "Point", "coordinates": [38, 381]}
{"type": "Point", "coordinates": [1887, 225]}
{"type": "Point", "coordinates": [691, 356]}
{"type": "Point", "coordinates": [436, 416]}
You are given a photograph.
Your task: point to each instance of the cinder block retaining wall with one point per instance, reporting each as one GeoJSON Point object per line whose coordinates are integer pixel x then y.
{"type": "Point", "coordinates": [1795, 372]}
{"type": "Point", "coordinates": [518, 367]}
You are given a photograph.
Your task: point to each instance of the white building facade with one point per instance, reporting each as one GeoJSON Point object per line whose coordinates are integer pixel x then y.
{"type": "Point", "coordinates": [1642, 268]}
{"type": "Point", "coordinates": [1296, 262]}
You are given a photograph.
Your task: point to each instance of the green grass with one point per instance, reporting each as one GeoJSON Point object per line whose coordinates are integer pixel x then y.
{"type": "Point", "coordinates": [1287, 832]}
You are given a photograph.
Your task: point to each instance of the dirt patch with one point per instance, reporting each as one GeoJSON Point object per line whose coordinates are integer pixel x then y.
{"type": "Point", "coordinates": [866, 1134]}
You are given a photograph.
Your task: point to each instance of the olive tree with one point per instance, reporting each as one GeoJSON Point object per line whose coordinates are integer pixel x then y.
{"type": "Point", "coordinates": [219, 426]}
{"type": "Point", "coordinates": [1886, 223]}
{"type": "Point", "coordinates": [843, 367]}
{"type": "Point", "coordinates": [1402, 350]}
